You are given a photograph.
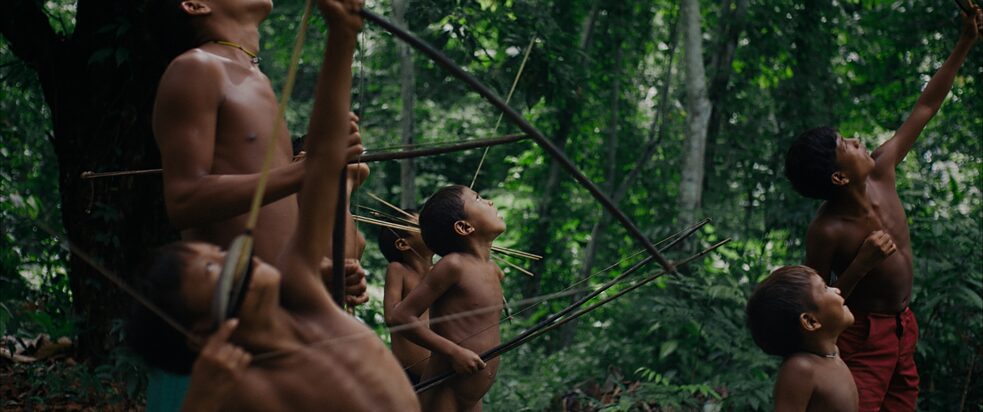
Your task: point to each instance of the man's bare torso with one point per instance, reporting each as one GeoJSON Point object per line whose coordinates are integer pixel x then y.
{"type": "Point", "coordinates": [244, 121]}
{"type": "Point", "coordinates": [886, 288]}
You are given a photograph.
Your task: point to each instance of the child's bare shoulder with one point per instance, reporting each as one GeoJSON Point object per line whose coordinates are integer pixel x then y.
{"type": "Point", "coordinates": [454, 261]}
{"type": "Point", "coordinates": [397, 268]}
{"type": "Point", "coordinates": [825, 226]}
{"type": "Point", "coordinates": [798, 367]}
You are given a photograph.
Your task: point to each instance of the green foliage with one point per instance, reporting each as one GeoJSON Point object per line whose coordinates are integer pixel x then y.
{"type": "Point", "coordinates": [680, 343]}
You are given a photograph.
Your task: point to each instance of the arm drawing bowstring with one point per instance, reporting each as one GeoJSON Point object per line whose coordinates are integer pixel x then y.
{"type": "Point", "coordinates": [553, 321]}
{"type": "Point", "coordinates": [455, 70]}
{"type": "Point", "coordinates": [673, 239]}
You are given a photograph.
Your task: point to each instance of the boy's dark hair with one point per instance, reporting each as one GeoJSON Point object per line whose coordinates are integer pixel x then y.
{"type": "Point", "coordinates": [810, 162]}
{"type": "Point", "coordinates": [774, 307]}
{"type": "Point", "coordinates": [387, 241]}
{"type": "Point", "coordinates": [437, 220]}
{"type": "Point", "coordinates": [146, 333]}
{"type": "Point", "coordinates": [170, 28]}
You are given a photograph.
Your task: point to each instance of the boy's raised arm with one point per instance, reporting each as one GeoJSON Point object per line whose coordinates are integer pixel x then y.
{"type": "Point", "coordinates": [184, 123]}
{"type": "Point", "coordinates": [892, 152]}
{"type": "Point", "coordinates": [440, 279]}
{"type": "Point", "coordinates": [329, 144]}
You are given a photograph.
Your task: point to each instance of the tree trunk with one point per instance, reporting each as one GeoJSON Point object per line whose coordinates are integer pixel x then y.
{"type": "Point", "coordinates": [407, 86]}
{"type": "Point", "coordinates": [730, 29]}
{"type": "Point", "coordinates": [99, 83]}
{"type": "Point", "coordinates": [697, 114]}
{"type": "Point", "coordinates": [597, 232]}
{"type": "Point", "coordinates": [656, 131]}
{"type": "Point", "coordinates": [568, 107]}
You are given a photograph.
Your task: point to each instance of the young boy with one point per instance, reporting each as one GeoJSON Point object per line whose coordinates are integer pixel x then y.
{"type": "Point", "coordinates": [793, 314]}
{"type": "Point", "coordinates": [287, 315]}
{"type": "Point", "coordinates": [460, 226]}
{"type": "Point", "coordinates": [856, 232]}
{"type": "Point", "coordinates": [409, 262]}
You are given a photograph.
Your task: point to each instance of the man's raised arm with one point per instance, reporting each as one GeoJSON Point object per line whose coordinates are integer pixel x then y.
{"type": "Point", "coordinates": [329, 144]}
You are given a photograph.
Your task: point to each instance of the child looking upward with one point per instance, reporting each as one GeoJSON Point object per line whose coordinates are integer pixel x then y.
{"type": "Point", "coordinates": [858, 229]}
{"type": "Point", "coordinates": [409, 262]}
{"type": "Point", "coordinates": [460, 226]}
{"type": "Point", "coordinates": [793, 314]}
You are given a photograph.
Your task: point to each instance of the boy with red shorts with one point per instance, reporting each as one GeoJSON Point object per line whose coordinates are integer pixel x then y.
{"type": "Point", "coordinates": [853, 238]}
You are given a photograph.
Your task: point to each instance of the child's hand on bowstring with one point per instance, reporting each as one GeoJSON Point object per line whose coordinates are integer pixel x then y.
{"type": "Point", "coordinates": [356, 288]}
{"type": "Point", "coordinates": [355, 148]}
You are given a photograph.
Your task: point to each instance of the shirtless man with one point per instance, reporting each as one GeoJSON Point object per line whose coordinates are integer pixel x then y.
{"type": "Point", "coordinates": [409, 262]}
{"type": "Point", "coordinates": [306, 353]}
{"type": "Point", "coordinates": [857, 231]}
{"type": "Point", "coordinates": [460, 226]}
{"type": "Point", "coordinates": [213, 117]}
{"type": "Point", "coordinates": [793, 314]}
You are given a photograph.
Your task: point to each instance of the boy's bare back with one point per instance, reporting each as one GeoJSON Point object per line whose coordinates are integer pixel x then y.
{"type": "Point", "coordinates": [824, 384]}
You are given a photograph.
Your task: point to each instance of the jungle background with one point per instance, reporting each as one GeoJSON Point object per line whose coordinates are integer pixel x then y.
{"type": "Point", "coordinates": [679, 110]}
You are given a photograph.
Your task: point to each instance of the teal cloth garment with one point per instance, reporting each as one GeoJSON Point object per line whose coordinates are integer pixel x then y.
{"type": "Point", "coordinates": [165, 391]}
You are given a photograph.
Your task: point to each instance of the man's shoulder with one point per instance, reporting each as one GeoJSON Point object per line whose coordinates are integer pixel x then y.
{"type": "Point", "coordinates": [194, 62]}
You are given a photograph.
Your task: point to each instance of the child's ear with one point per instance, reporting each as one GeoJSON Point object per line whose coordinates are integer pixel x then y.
{"type": "Point", "coordinates": [402, 245]}
{"type": "Point", "coordinates": [809, 322]}
{"type": "Point", "coordinates": [463, 228]}
{"type": "Point", "coordinates": [839, 178]}
{"type": "Point", "coordinates": [195, 8]}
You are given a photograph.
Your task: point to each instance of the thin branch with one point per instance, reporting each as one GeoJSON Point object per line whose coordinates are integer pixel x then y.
{"type": "Point", "coordinates": [368, 158]}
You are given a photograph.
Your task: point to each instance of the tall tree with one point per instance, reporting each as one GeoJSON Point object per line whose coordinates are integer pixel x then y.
{"type": "Point", "coordinates": [697, 113]}
{"type": "Point", "coordinates": [568, 104]}
{"type": "Point", "coordinates": [99, 79]}
{"type": "Point", "coordinates": [619, 190]}
{"type": "Point", "coordinates": [407, 91]}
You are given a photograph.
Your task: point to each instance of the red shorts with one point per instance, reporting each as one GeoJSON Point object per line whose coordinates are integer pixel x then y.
{"type": "Point", "coordinates": [879, 349]}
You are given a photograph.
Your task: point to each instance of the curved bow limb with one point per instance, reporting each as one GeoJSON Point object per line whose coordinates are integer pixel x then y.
{"type": "Point", "coordinates": [523, 125]}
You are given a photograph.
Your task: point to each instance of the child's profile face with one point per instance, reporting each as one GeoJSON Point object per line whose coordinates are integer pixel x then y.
{"type": "Point", "coordinates": [482, 213]}
{"type": "Point", "coordinates": [853, 158]}
{"type": "Point", "coordinates": [831, 309]}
